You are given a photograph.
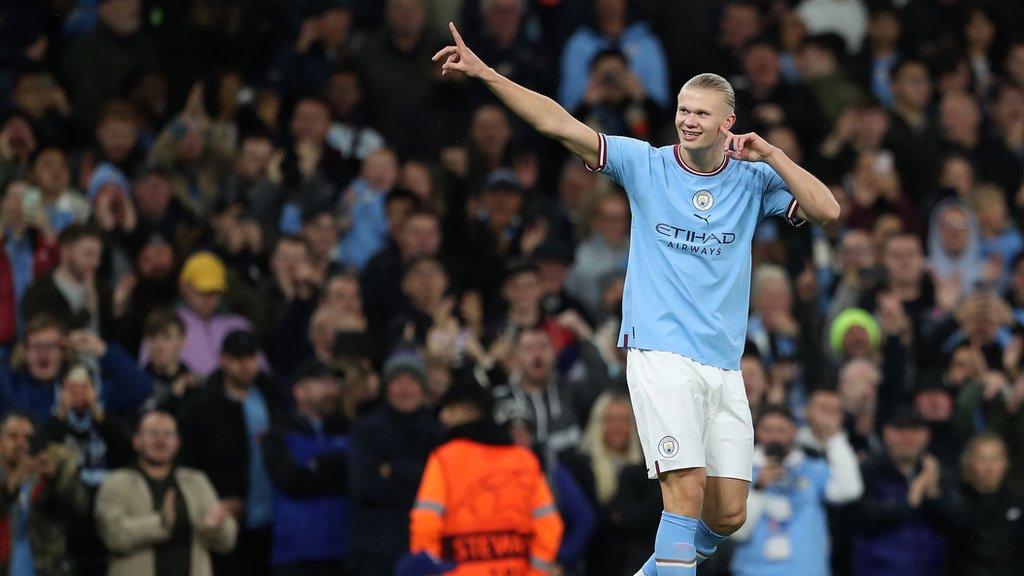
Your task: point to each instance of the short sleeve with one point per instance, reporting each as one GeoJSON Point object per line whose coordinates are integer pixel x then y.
{"type": "Point", "coordinates": [779, 201]}
{"type": "Point", "coordinates": [624, 160]}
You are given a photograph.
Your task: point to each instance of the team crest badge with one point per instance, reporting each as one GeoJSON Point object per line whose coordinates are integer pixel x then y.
{"type": "Point", "coordinates": [703, 200]}
{"type": "Point", "coordinates": [668, 446]}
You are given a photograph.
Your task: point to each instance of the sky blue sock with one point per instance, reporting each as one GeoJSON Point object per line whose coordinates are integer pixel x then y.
{"type": "Point", "coordinates": [675, 554]}
{"type": "Point", "coordinates": [706, 541]}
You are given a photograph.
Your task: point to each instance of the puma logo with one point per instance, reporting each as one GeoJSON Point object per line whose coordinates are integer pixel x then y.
{"type": "Point", "coordinates": [706, 219]}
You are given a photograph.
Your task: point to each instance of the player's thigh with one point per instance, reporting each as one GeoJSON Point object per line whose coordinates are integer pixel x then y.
{"type": "Point", "coordinates": [668, 401]}
{"type": "Point", "coordinates": [730, 444]}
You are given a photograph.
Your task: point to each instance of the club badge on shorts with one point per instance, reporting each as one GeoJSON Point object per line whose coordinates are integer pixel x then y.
{"type": "Point", "coordinates": [703, 200]}
{"type": "Point", "coordinates": [668, 447]}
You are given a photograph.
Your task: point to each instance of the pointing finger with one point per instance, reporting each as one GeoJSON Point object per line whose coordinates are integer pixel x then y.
{"type": "Point", "coordinates": [456, 35]}
{"type": "Point", "coordinates": [724, 130]}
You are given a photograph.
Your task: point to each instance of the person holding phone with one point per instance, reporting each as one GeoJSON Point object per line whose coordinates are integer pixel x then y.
{"type": "Point", "coordinates": [39, 487]}
{"type": "Point", "coordinates": [787, 531]}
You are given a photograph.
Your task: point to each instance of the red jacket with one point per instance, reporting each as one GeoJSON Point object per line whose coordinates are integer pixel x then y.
{"type": "Point", "coordinates": [44, 258]}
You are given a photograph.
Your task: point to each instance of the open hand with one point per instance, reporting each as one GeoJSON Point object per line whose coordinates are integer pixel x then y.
{"type": "Point", "coordinates": [459, 57]}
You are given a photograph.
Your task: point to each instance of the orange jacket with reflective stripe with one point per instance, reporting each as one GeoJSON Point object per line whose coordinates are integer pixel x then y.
{"type": "Point", "coordinates": [487, 508]}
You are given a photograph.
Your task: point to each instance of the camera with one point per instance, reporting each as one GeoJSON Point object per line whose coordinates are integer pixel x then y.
{"type": "Point", "coordinates": [608, 79]}
{"type": "Point", "coordinates": [776, 452]}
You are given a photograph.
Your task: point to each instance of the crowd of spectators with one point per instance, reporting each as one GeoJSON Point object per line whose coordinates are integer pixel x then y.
{"type": "Point", "coordinates": [248, 245]}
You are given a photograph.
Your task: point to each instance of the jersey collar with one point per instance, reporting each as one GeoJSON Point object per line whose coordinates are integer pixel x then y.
{"type": "Point", "coordinates": [682, 164]}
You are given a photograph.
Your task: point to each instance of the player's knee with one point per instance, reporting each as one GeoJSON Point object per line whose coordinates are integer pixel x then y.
{"type": "Point", "coordinates": [726, 524]}
{"type": "Point", "coordinates": [683, 491]}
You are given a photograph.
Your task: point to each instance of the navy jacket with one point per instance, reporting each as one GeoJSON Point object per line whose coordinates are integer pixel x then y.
{"type": "Point", "coordinates": [892, 538]}
{"type": "Point", "coordinates": [389, 452]}
{"type": "Point", "coordinates": [123, 389]}
{"type": "Point", "coordinates": [312, 508]}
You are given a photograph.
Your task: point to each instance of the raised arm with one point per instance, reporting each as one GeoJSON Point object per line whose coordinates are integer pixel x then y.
{"type": "Point", "coordinates": [816, 201]}
{"type": "Point", "coordinates": [539, 111]}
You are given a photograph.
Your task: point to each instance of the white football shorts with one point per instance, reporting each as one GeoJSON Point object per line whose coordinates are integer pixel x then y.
{"type": "Point", "coordinates": [690, 415]}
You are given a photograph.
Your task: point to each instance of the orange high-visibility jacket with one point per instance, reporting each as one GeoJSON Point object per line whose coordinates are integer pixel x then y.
{"type": "Point", "coordinates": [487, 508]}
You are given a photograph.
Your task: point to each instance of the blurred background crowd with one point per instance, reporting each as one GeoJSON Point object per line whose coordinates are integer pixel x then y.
{"type": "Point", "coordinates": [261, 239]}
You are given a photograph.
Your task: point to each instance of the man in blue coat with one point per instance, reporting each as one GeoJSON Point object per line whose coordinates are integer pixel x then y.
{"type": "Point", "coordinates": [307, 459]}
{"type": "Point", "coordinates": [33, 386]}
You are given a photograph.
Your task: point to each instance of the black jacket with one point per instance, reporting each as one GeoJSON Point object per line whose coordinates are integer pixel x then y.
{"type": "Point", "coordinates": [989, 528]}
{"type": "Point", "coordinates": [213, 434]}
{"type": "Point", "coordinates": [389, 453]}
{"type": "Point", "coordinates": [43, 297]}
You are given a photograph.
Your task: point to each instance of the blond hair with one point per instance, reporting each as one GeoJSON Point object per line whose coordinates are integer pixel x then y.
{"type": "Point", "coordinates": [602, 461]}
{"type": "Point", "coordinates": [713, 83]}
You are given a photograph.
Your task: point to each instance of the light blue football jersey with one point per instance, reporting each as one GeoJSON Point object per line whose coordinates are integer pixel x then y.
{"type": "Point", "coordinates": [688, 275]}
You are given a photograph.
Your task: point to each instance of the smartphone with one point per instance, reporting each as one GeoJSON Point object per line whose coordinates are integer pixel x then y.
{"type": "Point", "coordinates": [31, 202]}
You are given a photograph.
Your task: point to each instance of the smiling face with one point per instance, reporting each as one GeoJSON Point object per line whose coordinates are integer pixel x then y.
{"type": "Point", "coordinates": [699, 115]}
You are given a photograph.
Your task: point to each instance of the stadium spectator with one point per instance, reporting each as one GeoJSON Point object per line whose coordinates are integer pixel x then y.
{"type": "Point", "coordinates": [351, 134]}
{"type": "Point", "coordinates": [158, 517]}
{"type": "Point", "coordinates": [73, 291]}
{"type": "Point", "coordinates": [390, 447]}
{"type": "Point", "coordinates": [96, 65]}
{"type": "Point", "coordinates": [198, 150]}
{"type": "Point", "coordinates": [101, 442]}
{"type": "Point", "coordinates": [601, 253]}
{"type": "Point", "coordinates": [223, 427]}
{"type": "Point", "coordinates": [770, 99]}
{"type": "Point", "coordinates": [40, 489]}
{"type": "Point", "coordinates": [820, 64]}
{"type": "Point", "coordinates": [609, 446]}
{"type": "Point", "coordinates": [615, 100]}
{"type": "Point", "coordinates": [612, 26]}
{"type": "Point", "coordinates": [61, 204]}
{"type": "Point", "coordinates": [960, 129]}
{"type": "Point", "coordinates": [906, 505]}
{"type": "Point", "coordinates": [858, 388]}
{"type": "Point", "coordinates": [324, 41]}
{"type": "Point", "coordinates": [173, 382]}
{"type": "Point", "coordinates": [396, 63]}
{"type": "Point", "coordinates": [312, 172]}
{"type": "Point", "coordinates": [363, 208]}
{"type": "Point", "coordinates": [987, 517]}
{"type": "Point", "coordinates": [307, 459]}
{"type": "Point", "coordinates": [148, 286]}
{"type": "Point", "coordinates": [554, 261]}
{"type": "Point", "coordinates": [202, 284]}
{"type": "Point", "coordinates": [32, 383]}
{"type": "Point", "coordinates": [536, 388]}
{"type": "Point", "coordinates": [786, 529]}
{"type": "Point", "coordinates": [873, 64]}
{"type": "Point", "coordinates": [913, 135]}
{"type": "Point", "coordinates": [29, 253]}
{"type": "Point", "coordinates": [741, 23]}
